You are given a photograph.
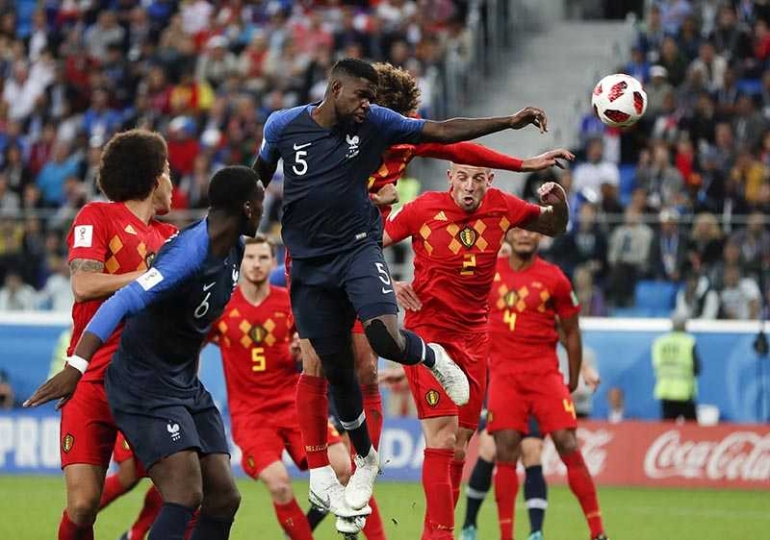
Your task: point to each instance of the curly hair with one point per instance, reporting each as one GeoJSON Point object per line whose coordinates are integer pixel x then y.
{"type": "Point", "coordinates": [131, 163]}
{"type": "Point", "coordinates": [397, 89]}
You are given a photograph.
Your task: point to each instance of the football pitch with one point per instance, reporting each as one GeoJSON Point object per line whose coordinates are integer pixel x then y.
{"type": "Point", "coordinates": [31, 508]}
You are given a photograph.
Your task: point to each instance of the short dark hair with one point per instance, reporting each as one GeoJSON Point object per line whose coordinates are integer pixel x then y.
{"type": "Point", "coordinates": [397, 89]}
{"type": "Point", "coordinates": [131, 163]}
{"type": "Point", "coordinates": [260, 238]}
{"type": "Point", "coordinates": [354, 67]}
{"type": "Point", "coordinates": [232, 186]}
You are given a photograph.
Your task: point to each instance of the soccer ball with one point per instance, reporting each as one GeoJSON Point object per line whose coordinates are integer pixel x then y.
{"type": "Point", "coordinates": [619, 100]}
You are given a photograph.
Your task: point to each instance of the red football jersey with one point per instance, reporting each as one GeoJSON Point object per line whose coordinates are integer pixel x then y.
{"type": "Point", "coordinates": [111, 234]}
{"type": "Point", "coordinates": [522, 324]}
{"type": "Point", "coordinates": [455, 254]}
{"type": "Point", "coordinates": [396, 158]}
{"type": "Point", "coordinates": [260, 372]}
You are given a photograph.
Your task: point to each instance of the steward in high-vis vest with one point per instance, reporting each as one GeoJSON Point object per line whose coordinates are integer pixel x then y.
{"type": "Point", "coordinates": [676, 366]}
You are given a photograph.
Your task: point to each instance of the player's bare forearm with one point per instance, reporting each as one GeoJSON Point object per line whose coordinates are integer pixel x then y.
{"type": "Point", "coordinates": [463, 129]}
{"type": "Point", "coordinates": [546, 160]}
{"type": "Point", "coordinates": [87, 346]}
{"type": "Point", "coordinates": [554, 216]}
{"type": "Point", "coordinates": [264, 170]}
{"type": "Point", "coordinates": [90, 283]}
{"type": "Point", "coordinates": [573, 343]}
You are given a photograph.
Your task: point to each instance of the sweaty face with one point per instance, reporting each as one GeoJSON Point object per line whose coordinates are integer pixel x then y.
{"type": "Point", "coordinates": [161, 199]}
{"type": "Point", "coordinates": [258, 262]}
{"type": "Point", "coordinates": [523, 243]}
{"type": "Point", "coordinates": [469, 185]}
{"type": "Point", "coordinates": [352, 98]}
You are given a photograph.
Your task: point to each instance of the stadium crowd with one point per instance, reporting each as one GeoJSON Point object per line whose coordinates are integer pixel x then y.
{"type": "Point", "coordinates": [681, 198]}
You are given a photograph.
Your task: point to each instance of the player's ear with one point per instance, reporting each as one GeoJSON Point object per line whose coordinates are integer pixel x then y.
{"type": "Point", "coordinates": [490, 178]}
{"type": "Point", "coordinates": [336, 87]}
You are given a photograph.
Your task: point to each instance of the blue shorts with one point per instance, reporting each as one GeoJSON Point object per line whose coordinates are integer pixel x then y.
{"type": "Point", "coordinates": [329, 293]}
{"type": "Point", "coordinates": [156, 429]}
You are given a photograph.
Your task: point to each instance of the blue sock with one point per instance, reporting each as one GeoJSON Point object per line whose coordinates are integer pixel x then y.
{"type": "Point", "coordinates": [171, 522]}
{"type": "Point", "coordinates": [478, 486]}
{"type": "Point", "coordinates": [350, 410]}
{"type": "Point", "coordinates": [417, 351]}
{"type": "Point", "coordinates": [212, 528]}
{"type": "Point", "coordinates": [536, 495]}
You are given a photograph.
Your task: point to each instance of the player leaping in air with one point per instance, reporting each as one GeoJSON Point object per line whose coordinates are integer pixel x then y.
{"type": "Point", "coordinates": [456, 236]}
{"type": "Point", "coordinates": [154, 393]}
{"type": "Point", "coordinates": [333, 234]}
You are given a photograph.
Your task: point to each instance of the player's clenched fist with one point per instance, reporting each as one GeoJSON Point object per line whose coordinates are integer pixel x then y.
{"type": "Point", "coordinates": [530, 115]}
{"type": "Point", "coordinates": [551, 193]}
{"type": "Point", "coordinates": [61, 386]}
{"type": "Point", "coordinates": [386, 196]}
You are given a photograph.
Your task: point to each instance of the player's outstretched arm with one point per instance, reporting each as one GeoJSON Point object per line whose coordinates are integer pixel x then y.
{"type": "Point", "coordinates": [546, 160]}
{"type": "Point", "coordinates": [89, 282]}
{"type": "Point", "coordinates": [264, 169]}
{"type": "Point", "coordinates": [477, 155]}
{"type": "Point", "coordinates": [554, 217]}
{"type": "Point", "coordinates": [574, 344]}
{"type": "Point", "coordinates": [465, 129]}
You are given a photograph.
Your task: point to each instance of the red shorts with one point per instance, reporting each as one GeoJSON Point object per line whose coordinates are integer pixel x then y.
{"type": "Point", "coordinates": [513, 397]}
{"type": "Point", "coordinates": [263, 446]}
{"type": "Point", "coordinates": [88, 432]}
{"type": "Point", "coordinates": [470, 352]}
{"type": "Point", "coordinates": [123, 452]}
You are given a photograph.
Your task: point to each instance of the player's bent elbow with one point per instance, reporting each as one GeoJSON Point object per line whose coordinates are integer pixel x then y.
{"type": "Point", "coordinates": [81, 291]}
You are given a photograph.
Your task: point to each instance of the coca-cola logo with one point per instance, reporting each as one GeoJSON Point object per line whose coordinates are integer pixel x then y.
{"type": "Point", "coordinates": [741, 455]}
{"type": "Point", "coordinates": [593, 445]}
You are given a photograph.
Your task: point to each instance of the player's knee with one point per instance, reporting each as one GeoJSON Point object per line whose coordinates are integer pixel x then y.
{"type": "Point", "coordinates": [531, 450]}
{"type": "Point", "coordinates": [384, 342]}
{"type": "Point", "coordinates": [82, 508]}
{"type": "Point", "coordinates": [223, 503]}
{"type": "Point", "coordinates": [444, 440]}
{"type": "Point", "coordinates": [343, 470]}
{"type": "Point", "coordinates": [280, 490]}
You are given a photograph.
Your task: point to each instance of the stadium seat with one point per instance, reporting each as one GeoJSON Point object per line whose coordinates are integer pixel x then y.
{"type": "Point", "coordinates": [656, 296]}
{"type": "Point", "coordinates": [627, 183]}
{"type": "Point", "coordinates": [752, 87]}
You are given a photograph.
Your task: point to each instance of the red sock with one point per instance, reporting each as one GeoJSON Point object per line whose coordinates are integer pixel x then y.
{"type": "Point", "coordinates": [456, 473]}
{"type": "Point", "coordinates": [506, 487]}
{"type": "Point", "coordinates": [437, 484]}
{"type": "Point", "coordinates": [374, 529]}
{"type": "Point", "coordinates": [111, 491]}
{"type": "Point", "coordinates": [70, 531]}
{"type": "Point", "coordinates": [293, 520]}
{"type": "Point", "coordinates": [312, 407]}
{"type": "Point", "coordinates": [152, 503]}
{"type": "Point", "coordinates": [582, 485]}
{"type": "Point", "coordinates": [373, 410]}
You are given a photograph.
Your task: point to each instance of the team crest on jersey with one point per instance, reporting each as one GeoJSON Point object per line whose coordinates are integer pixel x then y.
{"type": "Point", "coordinates": [257, 334]}
{"type": "Point", "coordinates": [67, 442]}
{"type": "Point", "coordinates": [468, 237]}
{"type": "Point", "coordinates": [250, 462]}
{"type": "Point", "coordinates": [432, 397]}
{"type": "Point", "coordinates": [353, 143]}
{"type": "Point", "coordinates": [510, 299]}
{"type": "Point", "coordinates": [149, 258]}
{"type": "Point", "coordinates": [125, 445]}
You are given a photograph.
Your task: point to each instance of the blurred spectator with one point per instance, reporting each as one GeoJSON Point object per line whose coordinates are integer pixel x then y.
{"type": "Point", "coordinates": [705, 245]}
{"type": "Point", "coordinates": [748, 124]}
{"type": "Point", "coordinates": [749, 175]}
{"type": "Point", "coordinates": [673, 60]}
{"type": "Point", "coordinates": [740, 299]}
{"type": "Point", "coordinates": [15, 295]}
{"type": "Point", "coordinates": [710, 65]}
{"type": "Point", "coordinates": [616, 402]}
{"type": "Point", "coordinates": [10, 202]}
{"type": "Point", "coordinates": [657, 90]}
{"type": "Point", "coordinates": [18, 175]}
{"type": "Point", "coordinates": [668, 255]}
{"type": "Point", "coordinates": [585, 245]}
{"type": "Point", "coordinates": [754, 244]}
{"type": "Point", "coordinates": [55, 172]}
{"type": "Point", "coordinates": [591, 297]}
{"type": "Point", "coordinates": [216, 63]}
{"type": "Point", "coordinates": [727, 96]}
{"type": "Point", "coordinates": [100, 120]}
{"type": "Point", "coordinates": [629, 254]}
{"type": "Point", "coordinates": [650, 39]}
{"type": "Point", "coordinates": [731, 256]}
{"type": "Point", "coordinates": [677, 367]}
{"type": "Point", "coordinates": [657, 175]}
{"type": "Point", "coordinates": [673, 13]}
{"type": "Point", "coordinates": [56, 295]}
{"type": "Point", "coordinates": [6, 392]}
{"type": "Point", "coordinates": [697, 300]}
{"type": "Point", "coordinates": [731, 38]}
{"type": "Point", "coordinates": [596, 177]}
{"type": "Point", "coordinates": [688, 38]}
{"type": "Point", "coordinates": [21, 92]}
{"type": "Point", "coordinates": [104, 33]}
{"type": "Point", "coordinates": [638, 67]}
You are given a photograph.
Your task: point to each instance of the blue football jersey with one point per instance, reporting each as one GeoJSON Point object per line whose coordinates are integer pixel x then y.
{"type": "Point", "coordinates": [326, 203]}
{"type": "Point", "coordinates": [170, 310]}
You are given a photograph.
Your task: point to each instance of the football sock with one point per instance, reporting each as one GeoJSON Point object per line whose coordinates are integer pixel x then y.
{"type": "Point", "coordinates": [171, 522]}
{"type": "Point", "coordinates": [456, 475]}
{"type": "Point", "coordinates": [582, 485]}
{"type": "Point", "coordinates": [416, 351]}
{"type": "Point", "coordinates": [315, 516]}
{"type": "Point", "coordinates": [293, 520]}
{"type": "Point", "coordinates": [312, 410]}
{"type": "Point", "coordinates": [68, 530]}
{"type": "Point", "coordinates": [191, 525]}
{"type": "Point", "coordinates": [152, 505]}
{"type": "Point", "coordinates": [112, 490]}
{"type": "Point", "coordinates": [536, 495]}
{"type": "Point", "coordinates": [506, 487]}
{"type": "Point", "coordinates": [478, 486]}
{"type": "Point", "coordinates": [350, 409]}
{"type": "Point", "coordinates": [437, 484]}
{"type": "Point", "coordinates": [374, 529]}
{"type": "Point", "coordinates": [373, 411]}
{"type": "Point", "coordinates": [214, 527]}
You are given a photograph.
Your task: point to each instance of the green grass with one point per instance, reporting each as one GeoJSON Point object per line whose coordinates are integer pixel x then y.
{"type": "Point", "coordinates": [31, 508]}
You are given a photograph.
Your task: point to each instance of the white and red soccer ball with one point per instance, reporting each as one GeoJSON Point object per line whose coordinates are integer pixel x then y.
{"type": "Point", "coordinates": [619, 100]}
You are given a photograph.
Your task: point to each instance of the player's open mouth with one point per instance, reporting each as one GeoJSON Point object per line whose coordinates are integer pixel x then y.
{"type": "Point", "coordinates": [468, 200]}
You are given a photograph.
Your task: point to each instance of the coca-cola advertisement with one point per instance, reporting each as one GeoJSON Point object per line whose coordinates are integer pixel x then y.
{"type": "Point", "coordinates": [667, 454]}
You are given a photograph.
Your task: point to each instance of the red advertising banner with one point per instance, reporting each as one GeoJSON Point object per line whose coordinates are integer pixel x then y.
{"type": "Point", "coordinates": [659, 454]}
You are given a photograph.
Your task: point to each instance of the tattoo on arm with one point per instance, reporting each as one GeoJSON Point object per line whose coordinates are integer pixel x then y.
{"type": "Point", "coordinates": [86, 265]}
